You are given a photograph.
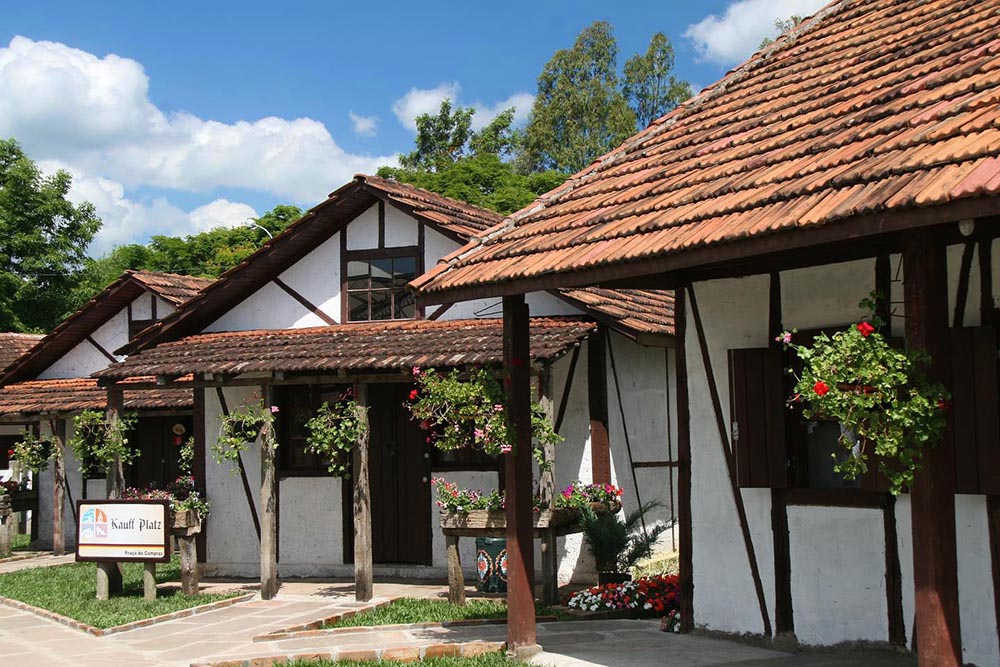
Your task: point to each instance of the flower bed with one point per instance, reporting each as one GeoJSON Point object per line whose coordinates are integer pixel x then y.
{"type": "Point", "coordinates": [647, 597]}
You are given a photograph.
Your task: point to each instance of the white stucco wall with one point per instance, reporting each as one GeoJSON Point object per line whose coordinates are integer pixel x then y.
{"type": "Point", "coordinates": [837, 554]}
{"type": "Point", "coordinates": [84, 359]}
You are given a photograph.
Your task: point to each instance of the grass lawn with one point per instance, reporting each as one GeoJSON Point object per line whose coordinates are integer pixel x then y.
{"type": "Point", "coordinates": [413, 610]}
{"type": "Point", "coordinates": [486, 660]}
{"type": "Point", "coordinates": [70, 590]}
{"type": "Point", "coordinates": [19, 542]}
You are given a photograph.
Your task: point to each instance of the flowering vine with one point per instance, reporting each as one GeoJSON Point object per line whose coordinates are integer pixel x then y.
{"type": "Point", "coordinates": [334, 430]}
{"type": "Point", "coordinates": [879, 394]}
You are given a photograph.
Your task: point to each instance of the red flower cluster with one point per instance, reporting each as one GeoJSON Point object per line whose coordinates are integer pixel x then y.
{"type": "Point", "coordinates": [866, 329]}
{"type": "Point", "coordinates": [649, 596]}
{"type": "Point", "coordinates": [821, 388]}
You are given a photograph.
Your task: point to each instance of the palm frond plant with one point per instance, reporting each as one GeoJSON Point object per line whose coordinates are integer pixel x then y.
{"type": "Point", "coordinates": [618, 544]}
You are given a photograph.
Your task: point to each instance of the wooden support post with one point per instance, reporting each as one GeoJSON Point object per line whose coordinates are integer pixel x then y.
{"type": "Point", "coordinates": [935, 561]}
{"type": "Point", "coordinates": [109, 575]}
{"type": "Point", "coordinates": [269, 507]}
{"type": "Point", "coordinates": [547, 490]}
{"type": "Point", "coordinates": [363, 585]}
{"type": "Point", "coordinates": [149, 582]}
{"type": "Point", "coordinates": [520, 546]}
{"type": "Point", "coordinates": [685, 537]}
{"type": "Point", "coordinates": [58, 491]}
{"type": "Point", "coordinates": [456, 578]}
{"type": "Point", "coordinates": [15, 518]}
{"type": "Point", "coordinates": [597, 401]}
{"type": "Point", "coordinates": [189, 564]}
{"type": "Point", "coordinates": [6, 523]}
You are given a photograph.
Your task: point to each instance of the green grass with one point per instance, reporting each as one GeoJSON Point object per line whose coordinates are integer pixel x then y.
{"type": "Point", "coordinates": [19, 542]}
{"type": "Point", "coordinates": [70, 590]}
{"type": "Point", "coordinates": [485, 660]}
{"type": "Point", "coordinates": [414, 610]}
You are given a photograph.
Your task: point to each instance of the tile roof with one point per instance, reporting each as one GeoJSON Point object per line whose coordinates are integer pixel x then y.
{"type": "Point", "coordinates": [869, 107]}
{"type": "Point", "coordinates": [170, 286]}
{"type": "Point", "coordinates": [637, 311]}
{"type": "Point", "coordinates": [13, 345]}
{"type": "Point", "coordinates": [463, 218]}
{"type": "Point", "coordinates": [376, 346]}
{"type": "Point", "coordinates": [89, 317]}
{"type": "Point", "coordinates": [40, 396]}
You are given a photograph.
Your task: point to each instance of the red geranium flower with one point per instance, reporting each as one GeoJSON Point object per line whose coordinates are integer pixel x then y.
{"type": "Point", "coordinates": [414, 394]}
{"type": "Point", "coordinates": [821, 388]}
{"type": "Point", "coordinates": [866, 329]}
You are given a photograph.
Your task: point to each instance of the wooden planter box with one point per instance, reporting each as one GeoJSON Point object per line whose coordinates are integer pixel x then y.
{"type": "Point", "coordinates": [24, 501]}
{"type": "Point", "coordinates": [481, 519]}
{"type": "Point", "coordinates": [185, 523]}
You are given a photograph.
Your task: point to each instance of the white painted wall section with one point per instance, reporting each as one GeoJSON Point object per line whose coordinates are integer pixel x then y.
{"type": "Point", "coordinates": [975, 582]}
{"type": "Point", "coordinates": [317, 278]}
{"type": "Point", "coordinates": [270, 307]}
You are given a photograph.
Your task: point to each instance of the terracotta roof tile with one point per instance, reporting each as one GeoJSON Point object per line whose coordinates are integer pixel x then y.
{"type": "Point", "coordinates": [13, 345]}
{"type": "Point", "coordinates": [459, 216]}
{"type": "Point", "coordinates": [869, 106]}
{"type": "Point", "coordinates": [170, 286]}
{"type": "Point", "coordinates": [40, 396]}
{"type": "Point", "coordinates": [375, 346]}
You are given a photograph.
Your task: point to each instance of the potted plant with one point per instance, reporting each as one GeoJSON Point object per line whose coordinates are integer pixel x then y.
{"type": "Point", "coordinates": [333, 432]}
{"type": "Point", "coordinates": [880, 395]}
{"type": "Point", "coordinates": [242, 426]}
{"type": "Point", "coordinates": [618, 544]}
{"type": "Point", "coordinates": [102, 443]}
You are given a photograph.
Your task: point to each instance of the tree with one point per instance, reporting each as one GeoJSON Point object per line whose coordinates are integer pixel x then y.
{"type": "Point", "coordinates": [782, 26]}
{"type": "Point", "coordinates": [650, 85]}
{"type": "Point", "coordinates": [579, 111]}
{"type": "Point", "coordinates": [43, 237]}
{"type": "Point", "coordinates": [446, 137]}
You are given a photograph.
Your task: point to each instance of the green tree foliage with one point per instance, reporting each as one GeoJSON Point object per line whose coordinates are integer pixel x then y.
{"type": "Point", "coordinates": [43, 237]}
{"type": "Point", "coordinates": [206, 254]}
{"type": "Point", "coordinates": [579, 111]}
{"type": "Point", "coordinates": [447, 137]}
{"type": "Point", "coordinates": [782, 26]}
{"type": "Point", "coordinates": [649, 83]}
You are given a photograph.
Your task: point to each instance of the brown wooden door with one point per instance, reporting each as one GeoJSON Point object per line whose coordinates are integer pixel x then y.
{"type": "Point", "coordinates": [399, 478]}
{"type": "Point", "coordinates": [159, 440]}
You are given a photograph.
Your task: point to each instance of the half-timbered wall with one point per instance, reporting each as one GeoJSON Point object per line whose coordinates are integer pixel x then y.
{"type": "Point", "coordinates": [837, 555]}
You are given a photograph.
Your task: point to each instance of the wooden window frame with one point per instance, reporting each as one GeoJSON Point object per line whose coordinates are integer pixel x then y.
{"type": "Point", "coordinates": [370, 256]}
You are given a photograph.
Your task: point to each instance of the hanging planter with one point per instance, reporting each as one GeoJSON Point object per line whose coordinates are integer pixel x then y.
{"type": "Point", "coordinates": [334, 431]}
{"type": "Point", "coordinates": [243, 426]}
{"type": "Point", "coordinates": [880, 396]}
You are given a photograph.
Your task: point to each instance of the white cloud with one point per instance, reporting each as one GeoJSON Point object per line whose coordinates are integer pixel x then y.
{"type": "Point", "coordinates": [366, 126]}
{"type": "Point", "coordinates": [129, 221]}
{"type": "Point", "coordinates": [734, 36]}
{"type": "Point", "coordinates": [94, 113]}
{"type": "Point", "coordinates": [418, 101]}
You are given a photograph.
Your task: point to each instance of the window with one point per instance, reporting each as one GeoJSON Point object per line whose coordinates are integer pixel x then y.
{"type": "Point", "coordinates": [376, 288]}
{"type": "Point", "coordinates": [297, 406]}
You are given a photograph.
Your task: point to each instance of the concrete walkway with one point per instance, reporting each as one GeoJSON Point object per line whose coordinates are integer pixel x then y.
{"type": "Point", "coordinates": [227, 634]}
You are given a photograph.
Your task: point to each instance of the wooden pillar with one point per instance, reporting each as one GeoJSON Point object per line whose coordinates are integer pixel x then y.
{"type": "Point", "coordinates": [520, 547]}
{"type": "Point", "coordinates": [6, 523]}
{"type": "Point", "coordinates": [597, 400]}
{"type": "Point", "coordinates": [935, 569]}
{"type": "Point", "coordinates": [363, 585]}
{"type": "Point", "coordinates": [685, 537]}
{"type": "Point", "coordinates": [547, 490]}
{"type": "Point", "coordinates": [58, 500]}
{"type": "Point", "coordinates": [149, 582]}
{"type": "Point", "coordinates": [269, 507]}
{"type": "Point", "coordinates": [15, 518]}
{"type": "Point", "coordinates": [456, 578]}
{"type": "Point", "coordinates": [199, 468]}
{"type": "Point", "coordinates": [189, 564]}
{"type": "Point", "coordinates": [109, 575]}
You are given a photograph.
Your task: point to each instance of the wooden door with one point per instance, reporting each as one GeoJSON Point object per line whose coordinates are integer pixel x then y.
{"type": "Point", "coordinates": [159, 440]}
{"type": "Point", "coordinates": [399, 476]}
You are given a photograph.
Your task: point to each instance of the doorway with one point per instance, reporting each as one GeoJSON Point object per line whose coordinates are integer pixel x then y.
{"type": "Point", "coordinates": [159, 441]}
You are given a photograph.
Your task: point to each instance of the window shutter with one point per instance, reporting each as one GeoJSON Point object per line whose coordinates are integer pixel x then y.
{"type": "Point", "coordinates": [975, 410]}
{"type": "Point", "coordinates": [757, 400]}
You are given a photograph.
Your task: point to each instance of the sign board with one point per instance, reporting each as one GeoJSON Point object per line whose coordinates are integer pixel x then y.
{"type": "Point", "coordinates": [123, 530]}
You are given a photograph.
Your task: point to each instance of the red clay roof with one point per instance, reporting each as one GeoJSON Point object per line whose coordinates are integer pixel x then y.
{"type": "Point", "coordinates": [89, 317]}
{"type": "Point", "coordinates": [636, 311]}
{"type": "Point", "coordinates": [375, 346]}
{"type": "Point", "coordinates": [39, 396]}
{"type": "Point", "coordinates": [871, 106]}
{"type": "Point", "coordinates": [13, 345]}
{"type": "Point", "coordinates": [170, 286]}
{"type": "Point", "coordinates": [459, 216]}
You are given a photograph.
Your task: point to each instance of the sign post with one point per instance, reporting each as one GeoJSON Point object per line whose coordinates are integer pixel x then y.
{"type": "Point", "coordinates": [115, 531]}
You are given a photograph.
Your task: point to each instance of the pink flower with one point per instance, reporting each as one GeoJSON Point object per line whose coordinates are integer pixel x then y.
{"type": "Point", "coordinates": [497, 408]}
{"type": "Point", "coordinates": [425, 424]}
{"type": "Point", "coordinates": [505, 448]}
{"type": "Point", "coordinates": [479, 433]}
{"type": "Point", "coordinates": [416, 371]}
{"type": "Point", "coordinates": [784, 337]}
{"type": "Point", "coordinates": [274, 409]}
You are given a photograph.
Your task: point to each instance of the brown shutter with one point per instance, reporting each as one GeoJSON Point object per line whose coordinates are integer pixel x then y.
{"type": "Point", "coordinates": [757, 400]}
{"type": "Point", "coordinates": [975, 410]}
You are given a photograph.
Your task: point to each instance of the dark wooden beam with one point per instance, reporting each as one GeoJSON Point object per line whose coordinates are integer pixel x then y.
{"type": "Point", "coordinates": [440, 310]}
{"type": "Point", "coordinates": [987, 309]}
{"type": "Point", "coordinates": [962, 293]}
{"type": "Point", "coordinates": [597, 402]}
{"type": "Point", "coordinates": [269, 507]}
{"type": "Point", "coordinates": [685, 538]}
{"type": "Point", "coordinates": [883, 285]}
{"type": "Point", "coordinates": [363, 582]}
{"type": "Point", "coordinates": [564, 400]}
{"type": "Point", "coordinates": [100, 348]}
{"type": "Point", "coordinates": [932, 495]}
{"type": "Point", "coordinates": [784, 617]}
{"type": "Point", "coordinates": [893, 577]}
{"type": "Point", "coordinates": [730, 463]}
{"type": "Point", "coordinates": [521, 638]}
{"type": "Point", "coordinates": [200, 465]}
{"type": "Point", "coordinates": [309, 305]}
{"type": "Point", "coordinates": [993, 517]}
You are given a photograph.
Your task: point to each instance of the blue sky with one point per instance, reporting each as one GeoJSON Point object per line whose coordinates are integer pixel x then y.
{"type": "Point", "coordinates": [177, 116]}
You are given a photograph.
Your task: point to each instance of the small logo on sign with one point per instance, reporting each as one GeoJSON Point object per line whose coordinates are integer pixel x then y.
{"type": "Point", "coordinates": [94, 523]}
